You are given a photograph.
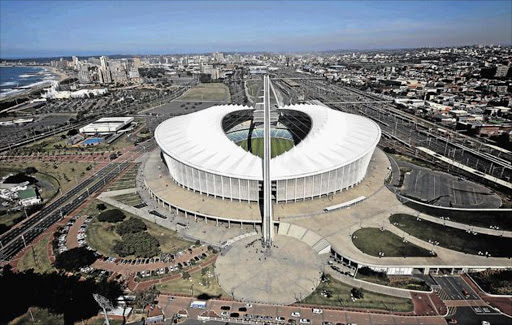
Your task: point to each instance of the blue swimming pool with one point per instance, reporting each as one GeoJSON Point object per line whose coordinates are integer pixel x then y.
{"type": "Point", "coordinates": [93, 141]}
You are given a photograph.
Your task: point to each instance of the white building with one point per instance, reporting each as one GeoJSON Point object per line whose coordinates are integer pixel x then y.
{"type": "Point", "coordinates": [106, 125]}
{"type": "Point", "coordinates": [333, 154]}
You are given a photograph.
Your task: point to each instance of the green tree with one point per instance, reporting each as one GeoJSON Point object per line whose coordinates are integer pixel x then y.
{"type": "Point", "coordinates": [74, 259]}
{"type": "Point", "coordinates": [146, 297]}
{"type": "Point", "coordinates": [122, 249]}
{"type": "Point", "coordinates": [130, 226]}
{"type": "Point", "coordinates": [113, 215]}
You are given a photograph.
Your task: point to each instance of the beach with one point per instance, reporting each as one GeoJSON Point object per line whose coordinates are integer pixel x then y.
{"type": "Point", "coordinates": [20, 80]}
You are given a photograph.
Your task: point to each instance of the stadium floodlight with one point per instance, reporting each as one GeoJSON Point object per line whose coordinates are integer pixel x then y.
{"type": "Point", "coordinates": [104, 303]}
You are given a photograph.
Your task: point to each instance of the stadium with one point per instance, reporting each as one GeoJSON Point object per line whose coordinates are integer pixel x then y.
{"type": "Point", "coordinates": [316, 151]}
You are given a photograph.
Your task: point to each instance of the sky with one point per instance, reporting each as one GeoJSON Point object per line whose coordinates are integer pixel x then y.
{"type": "Point", "coordinates": [45, 28]}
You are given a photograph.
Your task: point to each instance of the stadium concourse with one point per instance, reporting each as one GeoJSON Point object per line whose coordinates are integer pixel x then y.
{"type": "Point", "coordinates": [331, 183]}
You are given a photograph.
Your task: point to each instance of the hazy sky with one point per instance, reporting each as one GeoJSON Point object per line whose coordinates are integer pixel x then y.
{"type": "Point", "coordinates": [54, 28]}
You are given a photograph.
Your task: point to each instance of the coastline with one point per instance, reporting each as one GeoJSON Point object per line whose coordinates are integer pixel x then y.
{"type": "Point", "coordinates": [62, 75]}
{"type": "Point", "coordinates": [23, 92]}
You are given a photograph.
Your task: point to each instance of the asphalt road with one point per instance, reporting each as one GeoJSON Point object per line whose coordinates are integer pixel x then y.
{"type": "Point", "coordinates": [454, 286]}
{"type": "Point", "coordinates": [468, 316]}
{"type": "Point", "coordinates": [16, 239]}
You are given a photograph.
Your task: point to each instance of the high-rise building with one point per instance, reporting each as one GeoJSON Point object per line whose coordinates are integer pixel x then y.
{"type": "Point", "coordinates": [501, 70]}
{"type": "Point", "coordinates": [83, 74]}
{"type": "Point", "coordinates": [75, 62]}
{"type": "Point", "coordinates": [104, 62]}
{"type": "Point", "coordinates": [106, 77]}
{"type": "Point", "coordinates": [136, 62]}
{"type": "Point", "coordinates": [218, 56]}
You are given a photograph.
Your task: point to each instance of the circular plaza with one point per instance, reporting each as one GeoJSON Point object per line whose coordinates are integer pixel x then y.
{"type": "Point", "coordinates": [284, 274]}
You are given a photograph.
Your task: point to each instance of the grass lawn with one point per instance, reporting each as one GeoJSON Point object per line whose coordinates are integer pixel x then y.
{"type": "Point", "coordinates": [404, 282]}
{"type": "Point", "coordinates": [44, 317]}
{"type": "Point", "coordinates": [169, 240]}
{"type": "Point", "coordinates": [198, 284]}
{"type": "Point", "coordinates": [64, 172]}
{"type": "Point", "coordinates": [207, 92]}
{"type": "Point", "coordinates": [102, 238]}
{"type": "Point", "coordinates": [371, 241]}
{"type": "Point", "coordinates": [37, 258]}
{"type": "Point", "coordinates": [253, 86]}
{"type": "Point", "coordinates": [41, 317]}
{"type": "Point", "coordinates": [131, 199]}
{"type": "Point", "coordinates": [127, 180]}
{"type": "Point", "coordinates": [10, 219]}
{"type": "Point", "coordinates": [452, 238]}
{"type": "Point", "coordinates": [341, 297]}
{"type": "Point", "coordinates": [501, 219]}
{"type": "Point", "coordinates": [277, 146]}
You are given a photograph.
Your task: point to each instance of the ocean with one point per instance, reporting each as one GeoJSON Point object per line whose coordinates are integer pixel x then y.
{"type": "Point", "coordinates": [12, 77]}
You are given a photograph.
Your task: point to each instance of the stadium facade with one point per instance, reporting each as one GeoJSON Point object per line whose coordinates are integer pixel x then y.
{"type": "Point", "coordinates": [331, 152]}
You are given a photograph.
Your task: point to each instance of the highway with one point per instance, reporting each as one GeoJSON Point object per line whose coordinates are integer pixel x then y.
{"type": "Point", "coordinates": [408, 130]}
{"type": "Point", "coordinates": [17, 238]}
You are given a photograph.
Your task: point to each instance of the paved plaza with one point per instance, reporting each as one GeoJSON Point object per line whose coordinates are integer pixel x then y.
{"type": "Point", "coordinates": [288, 272]}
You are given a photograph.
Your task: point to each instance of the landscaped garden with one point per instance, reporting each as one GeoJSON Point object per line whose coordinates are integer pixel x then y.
{"type": "Point", "coordinates": [497, 282]}
{"type": "Point", "coordinates": [375, 242]}
{"type": "Point", "coordinates": [452, 238]}
{"type": "Point", "coordinates": [202, 282]}
{"type": "Point", "coordinates": [120, 234]}
{"type": "Point", "coordinates": [332, 292]}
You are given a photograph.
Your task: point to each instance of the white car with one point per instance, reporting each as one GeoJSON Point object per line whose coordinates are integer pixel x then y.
{"type": "Point", "coordinates": [484, 322]}
{"type": "Point", "coordinates": [304, 321]}
{"type": "Point", "coordinates": [317, 311]}
{"type": "Point", "coordinates": [295, 314]}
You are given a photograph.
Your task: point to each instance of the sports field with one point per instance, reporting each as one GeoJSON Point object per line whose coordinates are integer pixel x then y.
{"type": "Point", "coordinates": [277, 146]}
{"type": "Point", "coordinates": [218, 92]}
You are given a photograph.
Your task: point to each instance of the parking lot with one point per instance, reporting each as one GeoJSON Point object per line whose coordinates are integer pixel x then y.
{"type": "Point", "coordinates": [260, 313]}
{"type": "Point", "coordinates": [442, 189]}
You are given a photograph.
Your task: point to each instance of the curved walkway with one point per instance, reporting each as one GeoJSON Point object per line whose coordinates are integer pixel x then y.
{"type": "Point", "coordinates": [374, 287]}
{"type": "Point", "coordinates": [463, 226]}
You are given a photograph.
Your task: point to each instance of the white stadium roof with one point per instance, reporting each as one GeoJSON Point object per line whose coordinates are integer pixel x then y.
{"type": "Point", "coordinates": [335, 139]}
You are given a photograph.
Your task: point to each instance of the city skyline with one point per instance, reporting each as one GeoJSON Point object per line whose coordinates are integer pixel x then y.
{"type": "Point", "coordinates": [106, 28]}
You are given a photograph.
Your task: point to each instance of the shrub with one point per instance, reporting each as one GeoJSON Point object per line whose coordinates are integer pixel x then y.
{"type": "Point", "coordinates": [30, 170]}
{"type": "Point", "coordinates": [113, 215]}
{"type": "Point", "coordinates": [101, 206]}
{"type": "Point", "coordinates": [357, 293]}
{"type": "Point", "coordinates": [130, 226]}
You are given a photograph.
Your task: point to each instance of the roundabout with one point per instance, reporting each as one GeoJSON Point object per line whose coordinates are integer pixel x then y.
{"type": "Point", "coordinates": [284, 274]}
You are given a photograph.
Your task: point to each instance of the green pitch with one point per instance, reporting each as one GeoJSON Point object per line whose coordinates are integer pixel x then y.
{"type": "Point", "coordinates": [278, 146]}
